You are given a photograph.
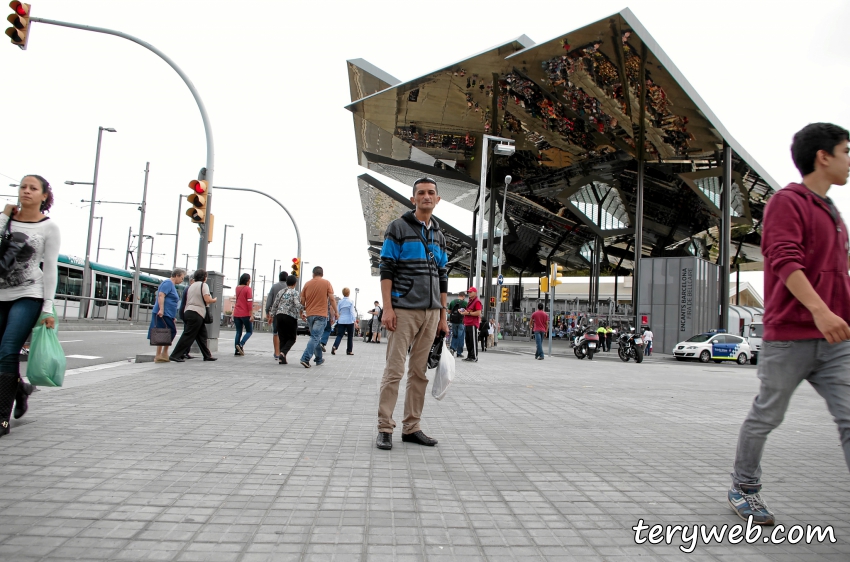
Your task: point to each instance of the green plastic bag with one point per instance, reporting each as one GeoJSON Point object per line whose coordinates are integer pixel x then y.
{"type": "Point", "coordinates": [46, 361]}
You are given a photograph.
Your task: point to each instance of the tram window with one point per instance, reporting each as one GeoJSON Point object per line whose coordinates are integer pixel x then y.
{"type": "Point", "coordinates": [126, 290]}
{"type": "Point", "coordinates": [100, 289]}
{"type": "Point", "coordinates": [114, 289]}
{"type": "Point", "coordinates": [148, 294]}
{"type": "Point", "coordinates": [70, 282]}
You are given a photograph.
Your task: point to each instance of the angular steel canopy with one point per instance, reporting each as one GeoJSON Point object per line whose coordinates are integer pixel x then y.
{"type": "Point", "coordinates": [573, 106]}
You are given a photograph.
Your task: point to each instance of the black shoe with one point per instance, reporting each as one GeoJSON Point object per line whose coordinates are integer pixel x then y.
{"type": "Point", "coordinates": [239, 350]}
{"type": "Point", "coordinates": [237, 354]}
{"type": "Point", "coordinates": [281, 359]}
{"type": "Point", "coordinates": [385, 441]}
{"type": "Point", "coordinates": [4, 428]}
{"type": "Point", "coordinates": [322, 346]}
{"type": "Point", "coordinates": [470, 360]}
{"type": "Point", "coordinates": [419, 438]}
{"type": "Point", "coordinates": [8, 391]}
{"type": "Point", "coordinates": [187, 356]}
{"type": "Point", "coordinates": [210, 358]}
{"type": "Point", "coordinates": [24, 390]}
{"type": "Point", "coordinates": [333, 350]}
{"type": "Point", "coordinates": [177, 359]}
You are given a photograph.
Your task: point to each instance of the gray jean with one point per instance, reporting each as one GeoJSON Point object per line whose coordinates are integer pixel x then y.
{"type": "Point", "coordinates": [783, 365]}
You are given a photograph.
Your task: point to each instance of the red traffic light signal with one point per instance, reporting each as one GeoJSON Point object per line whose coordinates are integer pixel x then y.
{"type": "Point", "coordinates": [296, 266]}
{"type": "Point", "coordinates": [198, 200]}
{"type": "Point", "coordinates": [20, 20]}
{"type": "Point", "coordinates": [493, 301]}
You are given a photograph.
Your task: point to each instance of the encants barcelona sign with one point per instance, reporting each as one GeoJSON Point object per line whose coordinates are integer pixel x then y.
{"type": "Point", "coordinates": [686, 299]}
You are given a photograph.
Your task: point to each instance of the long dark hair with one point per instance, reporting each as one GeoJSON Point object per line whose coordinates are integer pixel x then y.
{"type": "Point", "coordinates": [244, 279]}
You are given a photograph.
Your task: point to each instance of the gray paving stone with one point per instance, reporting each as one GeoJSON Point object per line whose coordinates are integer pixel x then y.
{"type": "Point", "coordinates": [246, 460]}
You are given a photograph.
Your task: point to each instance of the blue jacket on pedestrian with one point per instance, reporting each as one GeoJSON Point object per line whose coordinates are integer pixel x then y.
{"type": "Point", "coordinates": [418, 276]}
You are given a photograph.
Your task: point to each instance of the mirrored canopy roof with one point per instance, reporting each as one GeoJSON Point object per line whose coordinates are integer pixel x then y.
{"type": "Point", "coordinates": [572, 106]}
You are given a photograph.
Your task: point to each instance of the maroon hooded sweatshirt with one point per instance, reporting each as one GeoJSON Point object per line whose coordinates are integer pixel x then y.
{"type": "Point", "coordinates": [801, 232]}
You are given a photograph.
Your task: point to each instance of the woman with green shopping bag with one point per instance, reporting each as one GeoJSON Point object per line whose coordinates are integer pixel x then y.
{"type": "Point", "coordinates": [29, 249]}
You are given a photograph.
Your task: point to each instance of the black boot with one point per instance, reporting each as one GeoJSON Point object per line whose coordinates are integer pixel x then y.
{"type": "Point", "coordinates": [8, 389]}
{"type": "Point", "coordinates": [24, 390]}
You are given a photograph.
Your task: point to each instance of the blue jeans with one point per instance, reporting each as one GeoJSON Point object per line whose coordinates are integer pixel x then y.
{"type": "Point", "coordinates": [317, 328]}
{"type": "Point", "coordinates": [17, 319]}
{"type": "Point", "coordinates": [538, 338]}
{"type": "Point", "coordinates": [341, 330]}
{"type": "Point", "coordinates": [326, 335]}
{"type": "Point", "coordinates": [246, 323]}
{"type": "Point", "coordinates": [457, 338]}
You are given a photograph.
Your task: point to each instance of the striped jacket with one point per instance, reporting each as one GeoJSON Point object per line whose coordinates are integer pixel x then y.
{"type": "Point", "coordinates": [418, 279]}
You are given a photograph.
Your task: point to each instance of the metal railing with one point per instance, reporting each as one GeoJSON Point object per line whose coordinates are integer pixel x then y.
{"type": "Point", "coordinates": [68, 306]}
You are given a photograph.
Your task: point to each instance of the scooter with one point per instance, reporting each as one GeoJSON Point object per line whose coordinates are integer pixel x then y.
{"type": "Point", "coordinates": [630, 346]}
{"type": "Point", "coordinates": [585, 343]}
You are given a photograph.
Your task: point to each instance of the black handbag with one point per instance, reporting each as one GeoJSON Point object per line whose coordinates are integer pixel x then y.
{"type": "Point", "coordinates": [436, 350]}
{"type": "Point", "coordinates": [208, 319]}
{"type": "Point", "coordinates": [11, 244]}
{"type": "Point", "coordinates": [160, 336]}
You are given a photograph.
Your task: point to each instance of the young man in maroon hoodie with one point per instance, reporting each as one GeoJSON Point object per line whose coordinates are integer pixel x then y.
{"type": "Point", "coordinates": [806, 307]}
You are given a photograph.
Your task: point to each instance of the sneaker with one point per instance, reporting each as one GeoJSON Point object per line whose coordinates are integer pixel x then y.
{"type": "Point", "coordinates": [275, 355]}
{"type": "Point", "coordinates": [239, 350]}
{"type": "Point", "coordinates": [306, 364]}
{"type": "Point", "coordinates": [323, 347]}
{"type": "Point", "coordinates": [320, 362]}
{"type": "Point", "coordinates": [470, 360]}
{"type": "Point", "coordinates": [747, 502]}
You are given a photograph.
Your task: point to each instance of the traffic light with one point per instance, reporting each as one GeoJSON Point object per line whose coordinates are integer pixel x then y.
{"type": "Point", "coordinates": [557, 271]}
{"type": "Point", "coordinates": [198, 201]}
{"type": "Point", "coordinates": [504, 294]}
{"type": "Point", "coordinates": [544, 284]}
{"type": "Point", "coordinates": [296, 266]}
{"type": "Point", "coordinates": [492, 302]}
{"type": "Point", "coordinates": [20, 20]}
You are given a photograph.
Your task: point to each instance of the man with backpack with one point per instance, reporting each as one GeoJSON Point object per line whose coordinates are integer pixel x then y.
{"type": "Point", "coordinates": [457, 306]}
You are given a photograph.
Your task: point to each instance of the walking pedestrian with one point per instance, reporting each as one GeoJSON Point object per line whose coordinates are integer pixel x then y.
{"type": "Point", "coordinates": [165, 311]}
{"type": "Point", "coordinates": [375, 324]}
{"type": "Point", "coordinates": [326, 334]}
{"type": "Point", "coordinates": [414, 310]}
{"type": "Point", "coordinates": [491, 333]}
{"type": "Point", "coordinates": [276, 288]}
{"type": "Point", "coordinates": [806, 308]}
{"type": "Point", "coordinates": [287, 308]}
{"type": "Point", "coordinates": [471, 321]}
{"type": "Point", "coordinates": [482, 334]}
{"type": "Point", "coordinates": [456, 319]}
{"type": "Point", "coordinates": [194, 328]}
{"type": "Point", "coordinates": [243, 313]}
{"type": "Point", "coordinates": [317, 296]}
{"type": "Point", "coordinates": [345, 324]}
{"type": "Point", "coordinates": [182, 311]}
{"type": "Point", "coordinates": [539, 325]}
{"type": "Point", "coordinates": [27, 289]}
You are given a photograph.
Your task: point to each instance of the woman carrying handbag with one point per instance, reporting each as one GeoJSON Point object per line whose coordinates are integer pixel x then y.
{"type": "Point", "coordinates": [30, 240]}
{"type": "Point", "coordinates": [195, 328]}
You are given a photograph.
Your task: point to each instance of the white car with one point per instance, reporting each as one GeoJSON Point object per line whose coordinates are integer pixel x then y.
{"type": "Point", "coordinates": [713, 346]}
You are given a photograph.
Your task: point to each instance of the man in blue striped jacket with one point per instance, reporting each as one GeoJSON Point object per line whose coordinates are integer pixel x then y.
{"type": "Point", "coordinates": [414, 282]}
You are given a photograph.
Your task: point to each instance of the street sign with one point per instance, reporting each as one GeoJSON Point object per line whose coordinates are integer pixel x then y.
{"type": "Point", "coordinates": [501, 279]}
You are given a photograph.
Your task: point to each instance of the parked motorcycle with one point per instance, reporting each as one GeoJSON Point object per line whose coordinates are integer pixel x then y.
{"type": "Point", "coordinates": [630, 346]}
{"type": "Point", "coordinates": [585, 343]}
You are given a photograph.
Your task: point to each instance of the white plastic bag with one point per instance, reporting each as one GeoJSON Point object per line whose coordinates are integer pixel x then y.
{"type": "Point", "coordinates": [444, 374]}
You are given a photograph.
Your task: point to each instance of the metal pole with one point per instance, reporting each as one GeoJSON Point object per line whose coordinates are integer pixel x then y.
{"type": "Point", "coordinates": [738, 285]}
{"type": "Point", "coordinates": [479, 246]}
{"type": "Point", "coordinates": [127, 253]}
{"type": "Point", "coordinates": [294, 224]}
{"type": "Point", "coordinates": [274, 265]}
{"type": "Point", "coordinates": [639, 195]}
{"type": "Point", "coordinates": [491, 234]}
{"type": "Point", "coordinates": [99, 234]}
{"type": "Point", "coordinates": [210, 167]}
{"type": "Point", "coordinates": [254, 268]}
{"type": "Point", "coordinates": [551, 302]}
{"type": "Point", "coordinates": [725, 236]}
{"type": "Point", "coordinates": [87, 271]}
{"type": "Point", "coordinates": [177, 235]}
{"type": "Point", "coordinates": [239, 273]}
{"type": "Point", "coordinates": [224, 248]}
{"type": "Point", "coordinates": [501, 252]}
{"type": "Point", "coordinates": [150, 261]}
{"type": "Point", "coordinates": [137, 286]}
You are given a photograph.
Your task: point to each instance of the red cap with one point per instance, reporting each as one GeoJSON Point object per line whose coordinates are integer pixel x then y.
{"type": "Point", "coordinates": [472, 290]}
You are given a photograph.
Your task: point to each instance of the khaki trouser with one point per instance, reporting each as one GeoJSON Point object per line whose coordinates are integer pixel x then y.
{"type": "Point", "coordinates": [419, 328]}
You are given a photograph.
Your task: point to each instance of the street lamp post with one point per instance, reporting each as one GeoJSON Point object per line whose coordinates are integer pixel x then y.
{"type": "Point", "coordinates": [224, 246]}
{"type": "Point", "coordinates": [173, 267]}
{"type": "Point", "coordinates": [501, 251]}
{"type": "Point", "coordinates": [254, 268]}
{"type": "Point", "coordinates": [274, 271]}
{"type": "Point", "coordinates": [87, 270]}
{"type": "Point", "coordinates": [481, 194]}
{"type": "Point", "coordinates": [150, 262]}
{"type": "Point", "coordinates": [239, 273]}
{"type": "Point", "coordinates": [356, 294]}
{"type": "Point", "coordinates": [177, 232]}
{"type": "Point", "coordinates": [99, 233]}
{"type": "Point", "coordinates": [137, 283]}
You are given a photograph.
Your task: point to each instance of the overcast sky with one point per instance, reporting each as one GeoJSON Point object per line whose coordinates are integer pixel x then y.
{"type": "Point", "coordinates": [274, 81]}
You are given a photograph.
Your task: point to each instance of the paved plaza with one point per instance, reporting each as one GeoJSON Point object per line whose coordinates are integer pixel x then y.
{"type": "Point", "coordinates": [246, 460]}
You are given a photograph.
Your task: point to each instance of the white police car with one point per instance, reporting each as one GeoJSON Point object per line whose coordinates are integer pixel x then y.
{"type": "Point", "coordinates": [714, 346]}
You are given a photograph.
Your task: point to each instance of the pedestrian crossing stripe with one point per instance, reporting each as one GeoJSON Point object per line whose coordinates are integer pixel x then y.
{"type": "Point", "coordinates": [83, 357]}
